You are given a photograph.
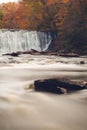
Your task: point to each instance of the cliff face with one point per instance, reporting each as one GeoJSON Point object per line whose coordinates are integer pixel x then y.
{"type": "Point", "coordinates": [72, 32]}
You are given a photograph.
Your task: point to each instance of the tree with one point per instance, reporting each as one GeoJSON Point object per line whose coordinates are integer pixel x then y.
{"type": "Point", "coordinates": [1, 14]}
{"type": "Point", "coordinates": [9, 10]}
{"type": "Point", "coordinates": [1, 19]}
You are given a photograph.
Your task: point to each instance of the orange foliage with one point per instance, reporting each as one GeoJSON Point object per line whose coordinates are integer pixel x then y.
{"type": "Point", "coordinates": [22, 15]}
{"type": "Point", "coordinates": [41, 14]}
{"type": "Point", "coordinates": [57, 1]}
{"type": "Point", "coordinates": [9, 10]}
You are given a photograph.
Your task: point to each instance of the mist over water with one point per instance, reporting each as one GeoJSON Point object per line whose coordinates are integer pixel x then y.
{"type": "Point", "coordinates": [25, 109]}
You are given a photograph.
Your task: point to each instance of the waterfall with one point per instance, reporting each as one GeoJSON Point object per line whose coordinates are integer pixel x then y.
{"type": "Point", "coordinates": [23, 40]}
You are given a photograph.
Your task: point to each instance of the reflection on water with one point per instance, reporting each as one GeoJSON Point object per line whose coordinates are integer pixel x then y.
{"type": "Point", "coordinates": [22, 109]}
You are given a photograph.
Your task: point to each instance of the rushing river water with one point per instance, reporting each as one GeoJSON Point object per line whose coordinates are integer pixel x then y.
{"type": "Point", "coordinates": [23, 40]}
{"type": "Point", "coordinates": [23, 109]}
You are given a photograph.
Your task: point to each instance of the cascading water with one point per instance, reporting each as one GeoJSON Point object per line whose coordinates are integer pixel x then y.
{"type": "Point", "coordinates": [23, 40]}
{"type": "Point", "coordinates": [22, 108]}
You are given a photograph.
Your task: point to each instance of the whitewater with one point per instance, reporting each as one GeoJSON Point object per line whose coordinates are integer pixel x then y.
{"type": "Point", "coordinates": [24, 109]}
{"type": "Point", "coordinates": [23, 40]}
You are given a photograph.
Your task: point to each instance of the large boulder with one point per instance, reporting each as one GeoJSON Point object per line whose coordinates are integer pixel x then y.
{"type": "Point", "coordinates": [58, 86]}
{"type": "Point", "coordinates": [47, 85]}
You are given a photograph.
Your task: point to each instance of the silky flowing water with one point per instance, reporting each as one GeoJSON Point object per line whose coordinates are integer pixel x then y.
{"type": "Point", "coordinates": [24, 109]}
{"type": "Point", "coordinates": [23, 40]}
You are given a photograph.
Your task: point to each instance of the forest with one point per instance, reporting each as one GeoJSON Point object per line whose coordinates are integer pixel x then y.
{"type": "Point", "coordinates": [67, 17]}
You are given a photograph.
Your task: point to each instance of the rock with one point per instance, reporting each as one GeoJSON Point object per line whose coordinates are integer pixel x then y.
{"type": "Point", "coordinates": [69, 55]}
{"type": "Point", "coordinates": [12, 54]}
{"type": "Point", "coordinates": [82, 62]}
{"type": "Point", "coordinates": [33, 51]}
{"type": "Point", "coordinates": [50, 52]}
{"type": "Point", "coordinates": [57, 86]}
{"type": "Point", "coordinates": [43, 53]}
{"type": "Point", "coordinates": [19, 52]}
{"type": "Point", "coordinates": [47, 86]}
{"type": "Point", "coordinates": [15, 54]}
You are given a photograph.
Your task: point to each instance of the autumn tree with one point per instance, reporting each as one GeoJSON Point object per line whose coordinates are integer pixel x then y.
{"type": "Point", "coordinates": [73, 31]}
{"type": "Point", "coordinates": [36, 8]}
{"type": "Point", "coordinates": [1, 18]}
{"type": "Point", "coordinates": [22, 16]}
{"type": "Point", "coordinates": [33, 15]}
{"type": "Point", "coordinates": [9, 10]}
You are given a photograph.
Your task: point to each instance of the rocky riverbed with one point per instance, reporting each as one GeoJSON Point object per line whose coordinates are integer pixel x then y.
{"type": "Point", "coordinates": [41, 59]}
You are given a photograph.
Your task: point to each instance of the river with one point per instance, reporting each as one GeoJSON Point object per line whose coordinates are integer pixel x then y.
{"type": "Point", "coordinates": [24, 109]}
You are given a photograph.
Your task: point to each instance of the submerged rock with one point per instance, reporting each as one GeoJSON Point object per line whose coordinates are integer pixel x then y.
{"type": "Point", "coordinates": [58, 86]}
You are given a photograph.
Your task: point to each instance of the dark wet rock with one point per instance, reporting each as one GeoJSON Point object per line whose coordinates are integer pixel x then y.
{"type": "Point", "coordinates": [82, 62]}
{"type": "Point", "coordinates": [20, 52]}
{"type": "Point", "coordinates": [47, 86]}
{"type": "Point", "coordinates": [32, 52]}
{"type": "Point", "coordinates": [14, 54]}
{"type": "Point", "coordinates": [43, 53]}
{"type": "Point", "coordinates": [50, 52]}
{"type": "Point", "coordinates": [58, 86]}
{"type": "Point", "coordinates": [69, 55]}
